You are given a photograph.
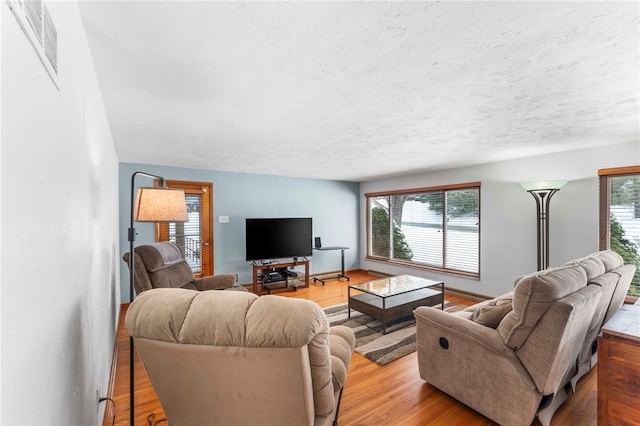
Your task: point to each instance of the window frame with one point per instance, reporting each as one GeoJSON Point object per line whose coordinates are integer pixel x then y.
{"type": "Point", "coordinates": [441, 188]}
{"type": "Point", "coordinates": [604, 177]}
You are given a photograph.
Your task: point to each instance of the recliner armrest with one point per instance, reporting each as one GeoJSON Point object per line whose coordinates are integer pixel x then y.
{"type": "Point", "coordinates": [463, 327]}
{"type": "Point", "coordinates": [342, 341]}
{"type": "Point", "coordinates": [215, 282]}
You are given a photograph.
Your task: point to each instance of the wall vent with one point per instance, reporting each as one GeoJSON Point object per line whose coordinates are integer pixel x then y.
{"type": "Point", "coordinates": [35, 20]}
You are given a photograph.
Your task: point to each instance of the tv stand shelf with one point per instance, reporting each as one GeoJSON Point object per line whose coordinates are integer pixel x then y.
{"type": "Point", "coordinates": [259, 271]}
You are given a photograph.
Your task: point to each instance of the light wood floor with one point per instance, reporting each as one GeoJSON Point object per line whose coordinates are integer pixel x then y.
{"type": "Point", "coordinates": [393, 394]}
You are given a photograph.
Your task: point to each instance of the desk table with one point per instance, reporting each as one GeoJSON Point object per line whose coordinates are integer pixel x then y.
{"type": "Point", "coordinates": [341, 274]}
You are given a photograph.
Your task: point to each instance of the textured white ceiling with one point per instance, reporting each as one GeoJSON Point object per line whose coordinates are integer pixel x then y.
{"type": "Point", "coordinates": [361, 90]}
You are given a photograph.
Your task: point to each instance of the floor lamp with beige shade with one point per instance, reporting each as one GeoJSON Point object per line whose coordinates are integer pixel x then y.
{"type": "Point", "coordinates": [151, 204]}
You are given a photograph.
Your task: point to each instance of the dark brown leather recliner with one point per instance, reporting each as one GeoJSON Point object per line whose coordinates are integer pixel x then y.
{"type": "Point", "coordinates": [163, 265]}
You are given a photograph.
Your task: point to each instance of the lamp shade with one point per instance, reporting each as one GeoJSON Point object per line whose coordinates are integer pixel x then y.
{"type": "Point", "coordinates": [160, 205]}
{"type": "Point", "coordinates": [545, 185]}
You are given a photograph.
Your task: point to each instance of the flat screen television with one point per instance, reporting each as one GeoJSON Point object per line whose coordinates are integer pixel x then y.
{"type": "Point", "coordinates": [277, 238]}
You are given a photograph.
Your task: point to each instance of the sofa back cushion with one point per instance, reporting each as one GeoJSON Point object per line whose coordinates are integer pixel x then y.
{"type": "Point", "coordinates": [165, 266]}
{"type": "Point", "coordinates": [157, 256]}
{"type": "Point", "coordinates": [612, 298]}
{"type": "Point", "coordinates": [173, 276]}
{"type": "Point", "coordinates": [609, 258]}
{"type": "Point", "coordinates": [532, 297]}
{"type": "Point", "coordinates": [229, 385]}
{"type": "Point", "coordinates": [626, 273]}
{"type": "Point", "coordinates": [550, 351]}
{"type": "Point", "coordinates": [597, 274]}
{"type": "Point", "coordinates": [592, 266]}
{"type": "Point", "coordinates": [243, 320]}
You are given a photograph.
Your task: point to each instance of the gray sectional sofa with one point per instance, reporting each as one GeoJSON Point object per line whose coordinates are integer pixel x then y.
{"type": "Point", "coordinates": [516, 357]}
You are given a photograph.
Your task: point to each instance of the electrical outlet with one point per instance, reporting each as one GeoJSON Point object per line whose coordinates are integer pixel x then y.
{"type": "Point", "coordinates": [98, 393]}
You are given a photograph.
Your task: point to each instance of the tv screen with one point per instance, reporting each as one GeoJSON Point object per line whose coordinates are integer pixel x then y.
{"type": "Point", "coordinates": [278, 238]}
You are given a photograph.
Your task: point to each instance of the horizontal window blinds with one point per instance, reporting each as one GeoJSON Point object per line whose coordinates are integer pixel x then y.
{"type": "Point", "coordinates": [624, 222]}
{"type": "Point", "coordinates": [188, 235]}
{"type": "Point", "coordinates": [428, 228]}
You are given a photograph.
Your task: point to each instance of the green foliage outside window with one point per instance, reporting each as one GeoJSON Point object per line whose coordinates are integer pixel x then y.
{"type": "Point", "coordinates": [629, 252]}
{"type": "Point", "coordinates": [380, 236]}
{"type": "Point", "coordinates": [625, 191]}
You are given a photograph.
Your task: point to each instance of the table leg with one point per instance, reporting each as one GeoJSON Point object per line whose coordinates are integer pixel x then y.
{"type": "Point", "coordinates": [384, 316]}
{"type": "Point", "coordinates": [318, 279]}
{"type": "Point", "coordinates": [342, 275]}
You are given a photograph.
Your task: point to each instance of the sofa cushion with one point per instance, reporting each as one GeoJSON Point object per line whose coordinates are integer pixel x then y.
{"type": "Point", "coordinates": [609, 258]}
{"type": "Point", "coordinates": [626, 274]}
{"type": "Point", "coordinates": [156, 256]}
{"type": "Point", "coordinates": [549, 354]}
{"type": "Point", "coordinates": [532, 297]}
{"type": "Point", "coordinates": [164, 265]}
{"type": "Point", "coordinates": [490, 314]}
{"type": "Point", "coordinates": [593, 266]}
{"type": "Point", "coordinates": [174, 276]}
{"type": "Point", "coordinates": [475, 307]}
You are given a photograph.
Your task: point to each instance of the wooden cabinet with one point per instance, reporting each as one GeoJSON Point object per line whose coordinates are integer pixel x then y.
{"type": "Point", "coordinates": [260, 271]}
{"type": "Point", "coordinates": [619, 369]}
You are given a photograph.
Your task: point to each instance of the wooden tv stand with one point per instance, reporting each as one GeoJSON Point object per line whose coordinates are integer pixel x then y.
{"type": "Point", "coordinates": [267, 288]}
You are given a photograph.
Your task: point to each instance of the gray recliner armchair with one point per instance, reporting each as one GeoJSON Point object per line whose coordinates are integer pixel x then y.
{"type": "Point", "coordinates": [233, 358]}
{"type": "Point", "coordinates": [163, 265]}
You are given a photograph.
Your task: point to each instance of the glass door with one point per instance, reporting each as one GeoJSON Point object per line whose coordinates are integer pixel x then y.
{"type": "Point", "coordinates": [195, 237]}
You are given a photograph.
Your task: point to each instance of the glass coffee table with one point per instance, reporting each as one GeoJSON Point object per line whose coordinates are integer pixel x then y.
{"type": "Point", "coordinates": [392, 298]}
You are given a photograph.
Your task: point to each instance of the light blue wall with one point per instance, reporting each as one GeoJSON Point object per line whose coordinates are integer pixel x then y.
{"type": "Point", "coordinates": [333, 205]}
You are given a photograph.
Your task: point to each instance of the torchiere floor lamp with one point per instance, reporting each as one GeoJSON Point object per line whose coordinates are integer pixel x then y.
{"type": "Point", "coordinates": [152, 204]}
{"type": "Point", "coordinates": [542, 193]}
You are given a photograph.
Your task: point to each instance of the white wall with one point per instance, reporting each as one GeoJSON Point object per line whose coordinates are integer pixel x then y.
{"type": "Point", "coordinates": [59, 227]}
{"type": "Point", "coordinates": [508, 212]}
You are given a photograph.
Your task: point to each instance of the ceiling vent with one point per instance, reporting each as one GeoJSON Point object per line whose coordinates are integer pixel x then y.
{"type": "Point", "coordinates": [36, 23]}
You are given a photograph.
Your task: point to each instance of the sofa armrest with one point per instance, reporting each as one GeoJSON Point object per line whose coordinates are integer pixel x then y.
{"type": "Point", "coordinates": [487, 337]}
{"type": "Point", "coordinates": [342, 341]}
{"type": "Point", "coordinates": [215, 282]}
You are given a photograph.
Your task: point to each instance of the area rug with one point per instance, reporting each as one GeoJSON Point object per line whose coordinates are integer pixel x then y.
{"type": "Point", "coordinates": [400, 339]}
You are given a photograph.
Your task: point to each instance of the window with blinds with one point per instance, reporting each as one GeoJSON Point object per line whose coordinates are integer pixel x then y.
{"type": "Point", "coordinates": [188, 235]}
{"type": "Point", "coordinates": [432, 228]}
{"type": "Point", "coordinates": [620, 217]}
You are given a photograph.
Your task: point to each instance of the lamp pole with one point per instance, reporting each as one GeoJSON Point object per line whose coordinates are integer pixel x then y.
{"type": "Point", "coordinates": [542, 193]}
{"type": "Point", "coordinates": [543, 199]}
